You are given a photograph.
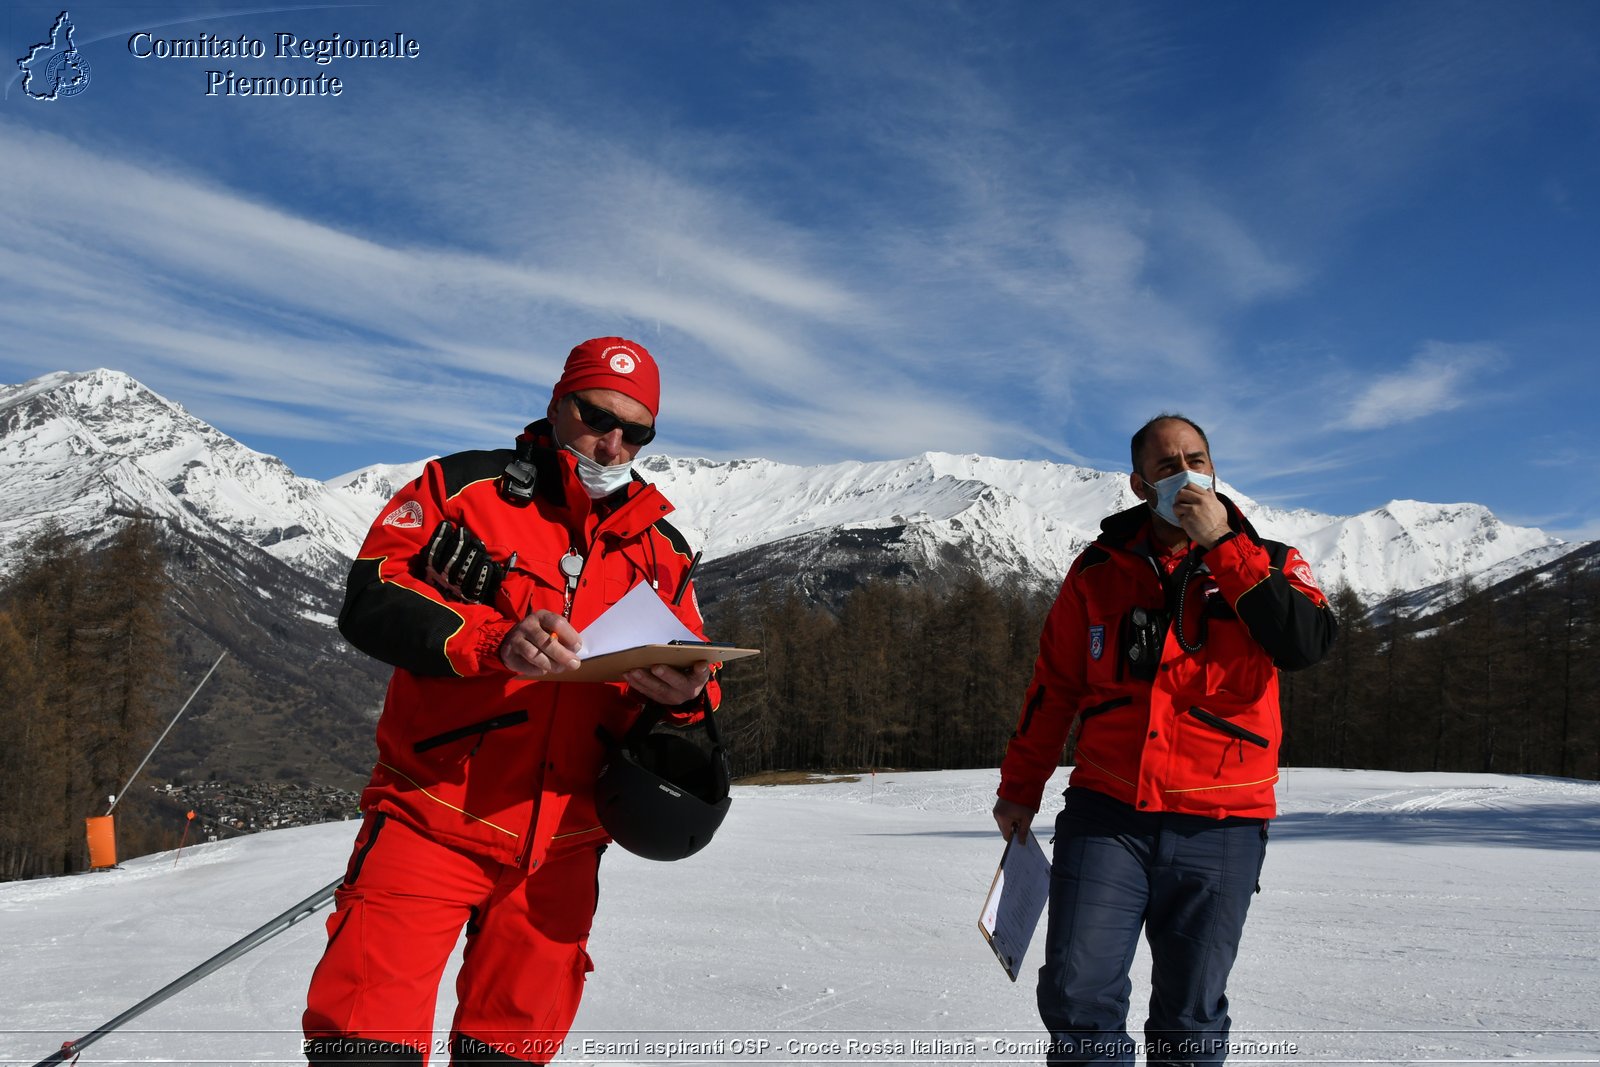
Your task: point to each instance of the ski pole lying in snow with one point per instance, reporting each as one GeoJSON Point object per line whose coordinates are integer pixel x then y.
{"type": "Point", "coordinates": [251, 940]}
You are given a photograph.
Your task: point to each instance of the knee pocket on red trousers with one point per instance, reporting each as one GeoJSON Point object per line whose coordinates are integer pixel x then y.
{"type": "Point", "coordinates": [329, 1006]}
{"type": "Point", "coordinates": [539, 1038]}
{"type": "Point", "coordinates": [537, 1044]}
{"type": "Point", "coordinates": [344, 1000]}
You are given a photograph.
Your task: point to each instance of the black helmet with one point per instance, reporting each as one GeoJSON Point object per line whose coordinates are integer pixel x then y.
{"type": "Point", "coordinates": [664, 789]}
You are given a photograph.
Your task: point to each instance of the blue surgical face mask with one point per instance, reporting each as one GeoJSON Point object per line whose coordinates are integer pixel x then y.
{"type": "Point", "coordinates": [1167, 490]}
{"type": "Point", "coordinates": [598, 480]}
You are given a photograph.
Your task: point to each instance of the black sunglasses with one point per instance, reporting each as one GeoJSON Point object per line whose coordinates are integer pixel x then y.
{"type": "Point", "coordinates": [602, 421]}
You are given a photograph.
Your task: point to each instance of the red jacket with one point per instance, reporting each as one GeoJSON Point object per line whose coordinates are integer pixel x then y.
{"type": "Point", "coordinates": [467, 752]}
{"type": "Point", "coordinates": [1199, 732]}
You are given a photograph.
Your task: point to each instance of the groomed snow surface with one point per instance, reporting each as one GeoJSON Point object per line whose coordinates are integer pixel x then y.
{"type": "Point", "coordinates": [1404, 918]}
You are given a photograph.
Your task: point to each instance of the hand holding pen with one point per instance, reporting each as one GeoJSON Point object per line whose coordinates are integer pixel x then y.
{"type": "Point", "coordinates": [541, 644]}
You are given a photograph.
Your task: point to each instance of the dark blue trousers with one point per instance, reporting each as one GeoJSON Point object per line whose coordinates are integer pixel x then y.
{"type": "Point", "coordinates": [1187, 882]}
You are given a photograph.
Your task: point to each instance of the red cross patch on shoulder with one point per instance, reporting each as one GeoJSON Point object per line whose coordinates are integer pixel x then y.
{"type": "Point", "coordinates": [1300, 571]}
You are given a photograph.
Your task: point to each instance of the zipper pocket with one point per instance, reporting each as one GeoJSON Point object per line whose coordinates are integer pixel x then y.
{"type": "Point", "coordinates": [499, 722]}
{"type": "Point", "coordinates": [1114, 702]}
{"type": "Point", "coordinates": [1216, 722]}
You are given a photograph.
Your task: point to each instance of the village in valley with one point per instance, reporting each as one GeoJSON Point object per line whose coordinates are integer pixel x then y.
{"type": "Point", "coordinates": [225, 809]}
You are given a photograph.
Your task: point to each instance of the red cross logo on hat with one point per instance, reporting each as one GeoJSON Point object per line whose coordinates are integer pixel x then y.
{"type": "Point", "coordinates": [621, 360]}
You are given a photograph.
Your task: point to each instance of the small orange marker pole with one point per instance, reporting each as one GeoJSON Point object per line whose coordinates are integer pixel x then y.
{"type": "Point", "coordinates": [188, 822]}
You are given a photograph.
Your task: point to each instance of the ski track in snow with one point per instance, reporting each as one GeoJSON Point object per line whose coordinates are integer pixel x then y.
{"type": "Point", "coordinates": [1404, 918]}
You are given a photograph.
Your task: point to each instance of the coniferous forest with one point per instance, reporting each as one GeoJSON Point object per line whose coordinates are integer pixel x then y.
{"type": "Point", "coordinates": [899, 677]}
{"type": "Point", "coordinates": [888, 676]}
{"type": "Point", "coordinates": [85, 674]}
{"type": "Point", "coordinates": [1502, 684]}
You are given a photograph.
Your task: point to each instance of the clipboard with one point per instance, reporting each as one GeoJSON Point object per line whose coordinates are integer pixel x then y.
{"type": "Point", "coordinates": [613, 665]}
{"type": "Point", "coordinates": [1016, 899]}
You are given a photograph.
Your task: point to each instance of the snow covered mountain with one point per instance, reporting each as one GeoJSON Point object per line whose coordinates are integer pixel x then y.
{"type": "Point", "coordinates": [256, 556]}
{"type": "Point", "coordinates": [82, 448]}
{"type": "Point", "coordinates": [1030, 519]}
{"type": "Point", "coordinates": [259, 554]}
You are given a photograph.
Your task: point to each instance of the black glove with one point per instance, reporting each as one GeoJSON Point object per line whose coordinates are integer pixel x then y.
{"type": "Point", "coordinates": [456, 561]}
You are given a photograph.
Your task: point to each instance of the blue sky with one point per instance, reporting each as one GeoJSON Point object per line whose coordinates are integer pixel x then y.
{"type": "Point", "coordinates": [1359, 242]}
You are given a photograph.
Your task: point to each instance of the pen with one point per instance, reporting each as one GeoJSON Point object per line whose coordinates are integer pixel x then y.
{"type": "Point", "coordinates": [683, 586]}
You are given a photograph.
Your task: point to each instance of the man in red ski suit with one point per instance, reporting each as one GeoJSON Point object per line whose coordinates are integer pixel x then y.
{"type": "Point", "coordinates": [1163, 646]}
{"type": "Point", "coordinates": [480, 814]}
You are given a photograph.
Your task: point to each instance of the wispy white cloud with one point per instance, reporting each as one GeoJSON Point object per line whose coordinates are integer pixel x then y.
{"type": "Point", "coordinates": [1396, 94]}
{"type": "Point", "coordinates": [740, 273]}
{"type": "Point", "coordinates": [265, 306]}
{"type": "Point", "coordinates": [1219, 249]}
{"type": "Point", "coordinates": [1036, 255]}
{"type": "Point", "coordinates": [1567, 456]}
{"type": "Point", "coordinates": [1438, 379]}
{"type": "Point", "coordinates": [998, 266]}
{"type": "Point", "coordinates": [858, 231]}
{"type": "Point", "coordinates": [1569, 527]}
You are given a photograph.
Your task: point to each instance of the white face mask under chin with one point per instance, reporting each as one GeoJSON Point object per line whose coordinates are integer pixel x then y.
{"type": "Point", "coordinates": [598, 480]}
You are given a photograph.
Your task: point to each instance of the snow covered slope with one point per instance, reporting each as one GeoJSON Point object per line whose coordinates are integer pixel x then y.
{"type": "Point", "coordinates": [1403, 918]}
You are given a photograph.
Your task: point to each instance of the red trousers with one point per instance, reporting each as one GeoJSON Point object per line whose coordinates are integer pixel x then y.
{"type": "Point", "coordinates": [398, 915]}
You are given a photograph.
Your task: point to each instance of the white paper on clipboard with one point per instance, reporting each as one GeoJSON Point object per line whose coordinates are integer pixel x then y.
{"type": "Point", "coordinates": [1016, 899]}
{"type": "Point", "coordinates": [640, 630]}
{"type": "Point", "coordinates": [639, 618]}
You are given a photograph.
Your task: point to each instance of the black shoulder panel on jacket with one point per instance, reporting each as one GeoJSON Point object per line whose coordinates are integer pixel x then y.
{"type": "Point", "coordinates": [1295, 630]}
{"type": "Point", "coordinates": [1092, 556]}
{"type": "Point", "coordinates": [463, 468]}
{"type": "Point", "coordinates": [1120, 528]}
{"type": "Point", "coordinates": [394, 624]}
{"type": "Point", "coordinates": [1277, 551]}
{"type": "Point", "coordinates": [679, 543]}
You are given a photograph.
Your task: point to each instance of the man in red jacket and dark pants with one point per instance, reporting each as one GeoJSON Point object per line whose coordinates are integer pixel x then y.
{"type": "Point", "coordinates": [1163, 646]}
{"type": "Point", "coordinates": [481, 812]}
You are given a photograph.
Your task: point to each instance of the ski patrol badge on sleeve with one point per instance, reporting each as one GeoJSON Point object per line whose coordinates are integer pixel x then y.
{"type": "Point", "coordinates": [407, 516]}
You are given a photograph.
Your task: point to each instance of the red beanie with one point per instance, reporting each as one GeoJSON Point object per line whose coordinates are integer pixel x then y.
{"type": "Point", "coordinates": [612, 363]}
